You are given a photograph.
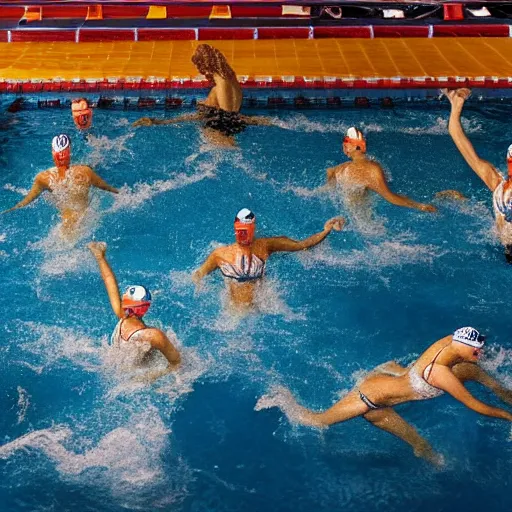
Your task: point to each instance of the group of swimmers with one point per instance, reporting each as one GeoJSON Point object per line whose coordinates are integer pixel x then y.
{"type": "Point", "coordinates": [444, 367]}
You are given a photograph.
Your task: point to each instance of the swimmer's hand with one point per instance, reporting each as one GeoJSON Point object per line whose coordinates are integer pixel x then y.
{"type": "Point", "coordinates": [144, 121]}
{"type": "Point", "coordinates": [457, 97]}
{"type": "Point", "coordinates": [450, 194]}
{"type": "Point", "coordinates": [427, 208]}
{"type": "Point", "coordinates": [98, 249]}
{"type": "Point", "coordinates": [335, 223]}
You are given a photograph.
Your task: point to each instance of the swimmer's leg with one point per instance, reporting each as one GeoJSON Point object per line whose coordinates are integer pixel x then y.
{"type": "Point", "coordinates": [470, 371]}
{"type": "Point", "coordinates": [387, 419]}
{"type": "Point", "coordinates": [350, 406]}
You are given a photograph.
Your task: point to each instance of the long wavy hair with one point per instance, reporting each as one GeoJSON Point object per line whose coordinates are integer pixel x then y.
{"type": "Point", "coordinates": [208, 61]}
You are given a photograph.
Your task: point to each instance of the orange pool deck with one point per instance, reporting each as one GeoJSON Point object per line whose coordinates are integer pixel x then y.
{"type": "Point", "coordinates": [316, 58]}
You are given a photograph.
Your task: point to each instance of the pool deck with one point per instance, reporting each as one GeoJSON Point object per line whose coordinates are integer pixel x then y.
{"type": "Point", "coordinates": [434, 59]}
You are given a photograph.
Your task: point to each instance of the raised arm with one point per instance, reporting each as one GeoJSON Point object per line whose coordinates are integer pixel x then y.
{"type": "Point", "coordinates": [150, 121]}
{"type": "Point", "coordinates": [206, 268]}
{"type": "Point", "coordinates": [97, 182]}
{"type": "Point", "coordinates": [483, 168]}
{"type": "Point", "coordinates": [98, 250]}
{"type": "Point", "coordinates": [378, 184]}
{"type": "Point", "coordinates": [38, 187]}
{"type": "Point", "coordinates": [443, 378]}
{"type": "Point", "coordinates": [285, 244]}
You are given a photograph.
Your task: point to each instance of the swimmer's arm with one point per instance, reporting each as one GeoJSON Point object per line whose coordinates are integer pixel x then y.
{"type": "Point", "coordinates": [37, 189]}
{"type": "Point", "coordinates": [150, 121]}
{"type": "Point", "coordinates": [108, 276]}
{"type": "Point", "coordinates": [285, 244]}
{"type": "Point", "coordinates": [257, 120]}
{"type": "Point", "coordinates": [485, 170]}
{"type": "Point", "coordinates": [379, 185]}
{"type": "Point", "coordinates": [97, 182]}
{"type": "Point", "coordinates": [443, 378]}
{"type": "Point", "coordinates": [206, 268]}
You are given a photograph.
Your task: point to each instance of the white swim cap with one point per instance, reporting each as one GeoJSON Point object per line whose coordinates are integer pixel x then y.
{"type": "Point", "coordinates": [469, 336]}
{"type": "Point", "coordinates": [245, 216]}
{"type": "Point", "coordinates": [136, 294]}
{"type": "Point", "coordinates": [60, 143]}
{"type": "Point", "coordinates": [509, 152]}
{"type": "Point", "coordinates": [354, 133]}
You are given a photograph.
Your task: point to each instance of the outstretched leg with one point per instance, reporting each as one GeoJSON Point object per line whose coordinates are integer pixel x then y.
{"type": "Point", "coordinates": [348, 407]}
{"type": "Point", "coordinates": [387, 419]}
{"type": "Point", "coordinates": [470, 371]}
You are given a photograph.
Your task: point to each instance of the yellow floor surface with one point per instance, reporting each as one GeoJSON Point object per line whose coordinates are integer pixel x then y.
{"type": "Point", "coordinates": [342, 58]}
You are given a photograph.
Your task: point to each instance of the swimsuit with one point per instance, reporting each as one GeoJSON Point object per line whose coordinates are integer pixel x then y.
{"type": "Point", "coordinates": [245, 269]}
{"type": "Point", "coordinates": [223, 121]}
{"type": "Point", "coordinates": [419, 383]}
{"type": "Point", "coordinates": [503, 209]}
{"type": "Point", "coordinates": [117, 336]}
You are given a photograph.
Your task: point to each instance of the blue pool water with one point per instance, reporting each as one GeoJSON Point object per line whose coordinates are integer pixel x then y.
{"type": "Point", "coordinates": [78, 434]}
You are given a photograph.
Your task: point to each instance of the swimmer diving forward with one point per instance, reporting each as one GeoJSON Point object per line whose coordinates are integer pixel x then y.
{"type": "Point", "coordinates": [357, 177]}
{"type": "Point", "coordinates": [68, 185]}
{"type": "Point", "coordinates": [243, 263]}
{"type": "Point", "coordinates": [220, 112]}
{"type": "Point", "coordinates": [500, 187]}
{"type": "Point", "coordinates": [444, 367]}
{"type": "Point", "coordinates": [130, 309]}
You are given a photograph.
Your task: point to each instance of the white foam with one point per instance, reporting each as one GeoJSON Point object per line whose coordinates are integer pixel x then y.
{"type": "Point", "coordinates": [134, 197]}
{"type": "Point", "coordinates": [54, 346]}
{"type": "Point", "coordinates": [389, 253]}
{"type": "Point", "coordinates": [18, 190]}
{"type": "Point", "coordinates": [23, 403]}
{"type": "Point", "coordinates": [125, 459]}
{"type": "Point", "coordinates": [106, 149]}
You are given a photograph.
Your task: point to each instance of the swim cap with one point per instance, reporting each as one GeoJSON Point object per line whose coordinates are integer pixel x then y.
{"type": "Point", "coordinates": [355, 138]}
{"type": "Point", "coordinates": [82, 114]}
{"type": "Point", "coordinates": [60, 143]}
{"type": "Point", "coordinates": [469, 336]}
{"type": "Point", "coordinates": [245, 226]}
{"type": "Point", "coordinates": [245, 216]}
{"type": "Point", "coordinates": [137, 299]}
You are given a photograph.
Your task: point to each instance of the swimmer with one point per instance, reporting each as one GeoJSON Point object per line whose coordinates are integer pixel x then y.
{"type": "Point", "coordinates": [243, 263]}
{"type": "Point", "coordinates": [82, 114]}
{"type": "Point", "coordinates": [444, 367]}
{"type": "Point", "coordinates": [68, 186]}
{"type": "Point", "coordinates": [130, 309]}
{"type": "Point", "coordinates": [500, 187]}
{"type": "Point", "coordinates": [361, 174]}
{"type": "Point", "coordinates": [220, 112]}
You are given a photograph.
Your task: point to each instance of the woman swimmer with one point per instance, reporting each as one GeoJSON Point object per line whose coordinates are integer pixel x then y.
{"type": "Point", "coordinates": [444, 366]}
{"type": "Point", "coordinates": [220, 112]}
{"type": "Point", "coordinates": [500, 187]}
{"type": "Point", "coordinates": [130, 308]}
{"type": "Point", "coordinates": [243, 263]}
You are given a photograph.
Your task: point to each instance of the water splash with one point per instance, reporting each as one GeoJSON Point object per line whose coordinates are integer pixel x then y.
{"type": "Point", "coordinates": [131, 198]}
{"type": "Point", "coordinates": [23, 403]}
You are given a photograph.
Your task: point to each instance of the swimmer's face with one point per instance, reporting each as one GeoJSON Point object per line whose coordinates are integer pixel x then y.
{"type": "Point", "coordinates": [82, 114]}
{"type": "Point", "coordinates": [62, 158]}
{"type": "Point", "coordinates": [349, 148]}
{"type": "Point", "coordinates": [470, 354]}
{"type": "Point", "coordinates": [244, 235]}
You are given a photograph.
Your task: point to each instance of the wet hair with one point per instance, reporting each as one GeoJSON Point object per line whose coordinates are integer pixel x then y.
{"type": "Point", "coordinates": [208, 61]}
{"type": "Point", "coordinates": [78, 100]}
